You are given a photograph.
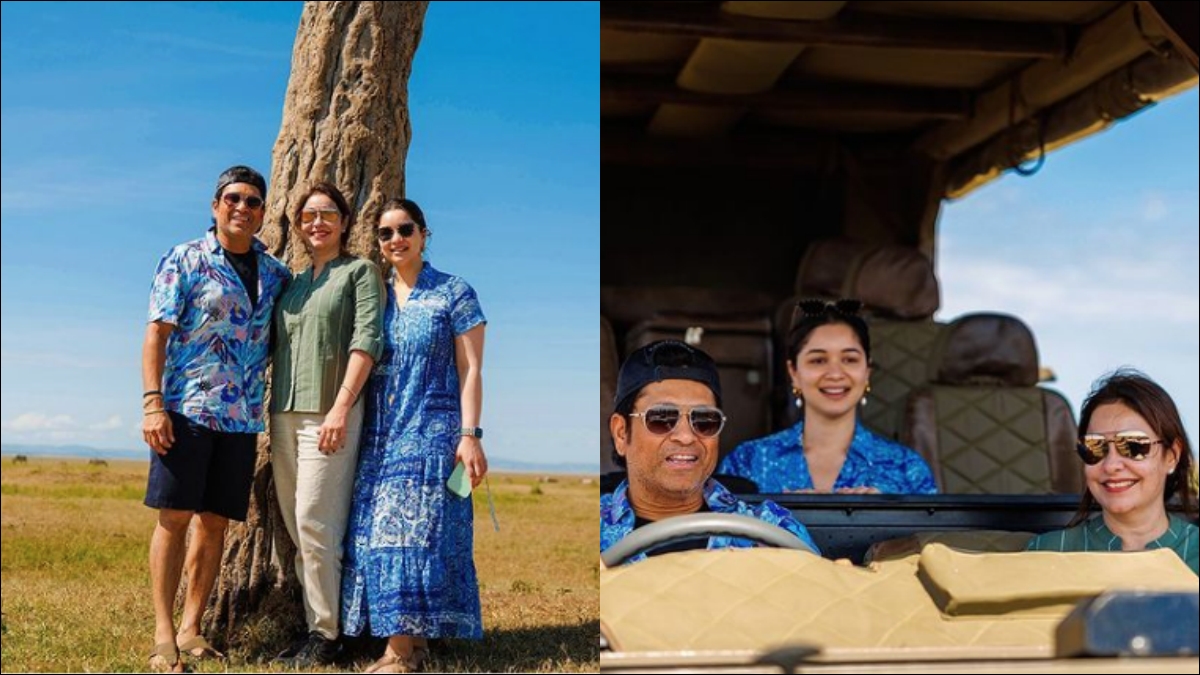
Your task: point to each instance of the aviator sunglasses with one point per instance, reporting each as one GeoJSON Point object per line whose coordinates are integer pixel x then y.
{"type": "Point", "coordinates": [233, 199]}
{"type": "Point", "coordinates": [386, 233]}
{"type": "Point", "coordinates": [661, 419]}
{"type": "Point", "coordinates": [1134, 445]}
{"type": "Point", "coordinates": [308, 217]}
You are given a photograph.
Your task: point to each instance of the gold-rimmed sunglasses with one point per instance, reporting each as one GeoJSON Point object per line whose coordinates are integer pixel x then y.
{"type": "Point", "coordinates": [660, 420]}
{"type": "Point", "coordinates": [1135, 445]}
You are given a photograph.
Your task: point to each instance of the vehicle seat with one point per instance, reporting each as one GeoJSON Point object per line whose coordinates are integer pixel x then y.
{"type": "Point", "coordinates": [982, 423]}
{"type": "Point", "coordinates": [900, 293]}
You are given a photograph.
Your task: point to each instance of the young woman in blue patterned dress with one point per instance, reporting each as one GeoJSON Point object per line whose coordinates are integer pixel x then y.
{"type": "Point", "coordinates": [409, 571]}
{"type": "Point", "coordinates": [829, 450]}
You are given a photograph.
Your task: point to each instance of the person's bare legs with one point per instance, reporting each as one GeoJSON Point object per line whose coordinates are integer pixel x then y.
{"type": "Point", "coordinates": [167, 546]}
{"type": "Point", "coordinates": [203, 565]}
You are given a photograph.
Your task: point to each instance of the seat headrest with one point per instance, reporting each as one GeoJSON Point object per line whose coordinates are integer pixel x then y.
{"type": "Point", "coordinates": [897, 281]}
{"type": "Point", "coordinates": [995, 349]}
{"type": "Point", "coordinates": [893, 281]}
{"type": "Point", "coordinates": [827, 266]}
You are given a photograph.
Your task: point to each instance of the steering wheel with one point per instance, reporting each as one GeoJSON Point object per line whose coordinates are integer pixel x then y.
{"type": "Point", "coordinates": [680, 528]}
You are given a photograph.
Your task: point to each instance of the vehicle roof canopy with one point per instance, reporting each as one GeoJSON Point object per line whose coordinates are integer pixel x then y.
{"type": "Point", "coordinates": [859, 117]}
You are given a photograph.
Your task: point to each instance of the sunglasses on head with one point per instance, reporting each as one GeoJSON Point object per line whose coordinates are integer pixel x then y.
{"type": "Point", "coordinates": [661, 419]}
{"type": "Point", "coordinates": [807, 308]}
{"type": "Point", "coordinates": [233, 199]}
{"type": "Point", "coordinates": [308, 216]}
{"type": "Point", "coordinates": [406, 230]}
{"type": "Point", "coordinates": [1134, 445]}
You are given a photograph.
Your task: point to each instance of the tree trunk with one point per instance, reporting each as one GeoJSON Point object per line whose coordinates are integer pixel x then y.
{"type": "Point", "coordinates": [345, 121]}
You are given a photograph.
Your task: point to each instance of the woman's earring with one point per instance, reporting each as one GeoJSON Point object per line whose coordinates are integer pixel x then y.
{"type": "Point", "coordinates": [799, 400]}
{"type": "Point", "coordinates": [863, 402]}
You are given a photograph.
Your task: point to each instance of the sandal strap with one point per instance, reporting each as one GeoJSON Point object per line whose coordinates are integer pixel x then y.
{"type": "Point", "coordinates": [199, 642]}
{"type": "Point", "coordinates": [168, 651]}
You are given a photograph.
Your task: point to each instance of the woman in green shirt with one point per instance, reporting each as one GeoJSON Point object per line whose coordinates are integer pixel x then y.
{"type": "Point", "coordinates": [327, 337]}
{"type": "Point", "coordinates": [1137, 460]}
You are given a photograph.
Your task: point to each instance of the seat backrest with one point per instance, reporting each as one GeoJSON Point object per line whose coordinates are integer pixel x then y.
{"type": "Point", "coordinates": [609, 365]}
{"type": "Point", "coordinates": [741, 348]}
{"type": "Point", "coordinates": [900, 354]}
{"type": "Point", "coordinates": [982, 423]}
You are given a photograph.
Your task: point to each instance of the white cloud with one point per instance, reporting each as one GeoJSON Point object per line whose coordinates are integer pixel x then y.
{"type": "Point", "coordinates": [38, 422]}
{"type": "Point", "coordinates": [112, 423]}
{"type": "Point", "coordinates": [1085, 290]}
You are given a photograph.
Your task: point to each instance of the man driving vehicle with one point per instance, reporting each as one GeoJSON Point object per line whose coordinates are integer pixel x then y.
{"type": "Point", "coordinates": [666, 430]}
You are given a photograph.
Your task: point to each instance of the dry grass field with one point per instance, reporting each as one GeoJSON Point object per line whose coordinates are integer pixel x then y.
{"type": "Point", "coordinates": [76, 586]}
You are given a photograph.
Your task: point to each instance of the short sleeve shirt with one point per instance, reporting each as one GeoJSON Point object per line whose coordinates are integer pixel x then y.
{"type": "Point", "coordinates": [215, 372]}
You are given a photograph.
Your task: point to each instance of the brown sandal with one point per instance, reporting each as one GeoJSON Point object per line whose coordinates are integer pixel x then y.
{"type": "Point", "coordinates": [165, 659]}
{"type": "Point", "coordinates": [198, 648]}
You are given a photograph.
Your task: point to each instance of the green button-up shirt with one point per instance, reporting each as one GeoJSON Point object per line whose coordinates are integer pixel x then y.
{"type": "Point", "coordinates": [1093, 535]}
{"type": "Point", "coordinates": [318, 322]}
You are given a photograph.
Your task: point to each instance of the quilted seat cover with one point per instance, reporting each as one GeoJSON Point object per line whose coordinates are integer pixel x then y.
{"type": "Point", "coordinates": [757, 599]}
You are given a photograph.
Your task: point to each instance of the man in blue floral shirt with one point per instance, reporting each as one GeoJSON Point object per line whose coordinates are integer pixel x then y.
{"type": "Point", "coordinates": [204, 363]}
{"type": "Point", "coordinates": [675, 392]}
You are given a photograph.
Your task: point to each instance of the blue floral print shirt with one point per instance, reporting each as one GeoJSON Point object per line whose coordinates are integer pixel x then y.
{"type": "Point", "coordinates": [617, 517]}
{"type": "Point", "coordinates": [777, 464]}
{"type": "Point", "coordinates": [217, 355]}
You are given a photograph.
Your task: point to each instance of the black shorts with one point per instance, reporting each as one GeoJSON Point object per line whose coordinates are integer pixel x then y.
{"type": "Point", "coordinates": [205, 471]}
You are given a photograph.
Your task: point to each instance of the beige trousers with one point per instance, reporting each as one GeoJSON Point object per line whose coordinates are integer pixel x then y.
{"type": "Point", "coordinates": [314, 497]}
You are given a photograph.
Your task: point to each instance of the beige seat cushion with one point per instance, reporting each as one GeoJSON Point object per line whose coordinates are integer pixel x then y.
{"type": "Point", "coordinates": [1041, 583]}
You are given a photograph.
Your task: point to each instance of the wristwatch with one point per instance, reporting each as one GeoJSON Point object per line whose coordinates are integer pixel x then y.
{"type": "Point", "coordinates": [477, 432]}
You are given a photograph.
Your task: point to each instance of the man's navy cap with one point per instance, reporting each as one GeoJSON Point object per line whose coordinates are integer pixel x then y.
{"type": "Point", "coordinates": [666, 360]}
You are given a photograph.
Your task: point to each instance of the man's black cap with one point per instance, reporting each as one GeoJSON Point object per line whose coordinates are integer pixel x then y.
{"type": "Point", "coordinates": [666, 360]}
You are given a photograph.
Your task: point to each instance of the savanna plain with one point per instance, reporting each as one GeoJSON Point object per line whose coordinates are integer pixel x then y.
{"type": "Point", "coordinates": [76, 585]}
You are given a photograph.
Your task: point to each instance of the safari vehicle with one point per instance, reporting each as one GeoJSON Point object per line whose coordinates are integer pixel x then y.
{"type": "Point", "coordinates": [757, 152]}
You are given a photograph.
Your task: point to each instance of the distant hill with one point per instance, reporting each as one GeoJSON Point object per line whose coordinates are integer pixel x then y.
{"type": "Point", "coordinates": [495, 463]}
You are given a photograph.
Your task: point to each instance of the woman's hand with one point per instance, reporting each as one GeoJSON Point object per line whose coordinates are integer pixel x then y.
{"type": "Point", "coordinates": [332, 432]}
{"type": "Point", "coordinates": [470, 453]}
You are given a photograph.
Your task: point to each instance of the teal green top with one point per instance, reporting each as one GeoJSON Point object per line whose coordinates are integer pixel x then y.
{"type": "Point", "coordinates": [1093, 535]}
{"type": "Point", "coordinates": [318, 322]}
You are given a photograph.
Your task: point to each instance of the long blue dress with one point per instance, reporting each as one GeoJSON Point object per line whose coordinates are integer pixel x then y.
{"type": "Point", "coordinates": [409, 565]}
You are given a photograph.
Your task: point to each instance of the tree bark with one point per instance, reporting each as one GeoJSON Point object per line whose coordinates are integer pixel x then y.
{"type": "Point", "coordinates": [345, 121]}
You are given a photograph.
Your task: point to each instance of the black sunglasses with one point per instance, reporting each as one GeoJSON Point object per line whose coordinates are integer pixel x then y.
{"type": "Point", "coordinates": [661, 419]}
{"type": "Point", "coordinates": [386, 233]}
{"type": "Point", "coordinates": [1134, 445]}
{"type": "Point", "coordinates": [233, 199]}
{"type": "Point", "coordinates": [808, 308]}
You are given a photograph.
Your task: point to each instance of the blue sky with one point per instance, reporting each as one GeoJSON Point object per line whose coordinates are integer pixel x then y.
{"type": "Point", "coordinates": [1098, 253]}
{"type": "Point", "coordinates": [117, 119]}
